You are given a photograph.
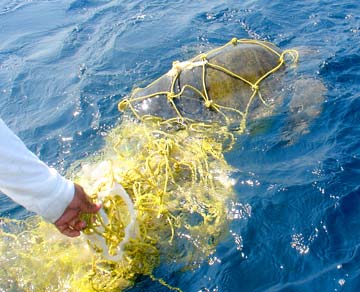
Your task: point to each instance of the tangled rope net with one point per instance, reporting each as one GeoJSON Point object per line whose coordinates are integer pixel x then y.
{"type": "Point", "coordinates": [162, 179]}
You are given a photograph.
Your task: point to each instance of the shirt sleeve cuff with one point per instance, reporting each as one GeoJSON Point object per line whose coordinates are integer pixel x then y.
{"type": "Point", "coordinates": [55, 206]}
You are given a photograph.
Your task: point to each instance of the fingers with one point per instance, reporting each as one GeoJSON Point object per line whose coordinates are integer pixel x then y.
{"type": "Point", "coordinates": [80, 225]}
{"type": "Point", "coordinates": [69, 231]}
{"type": "Point", "coordinates": [69, 222]}
{"type": "Point", "coordinates": [68, 216]}
{"type": "Point", "coordinates": [72, 229]}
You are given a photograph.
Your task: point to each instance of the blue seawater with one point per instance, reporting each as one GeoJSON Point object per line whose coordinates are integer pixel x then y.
{"type": "Point", "coordinates": [65, 64]}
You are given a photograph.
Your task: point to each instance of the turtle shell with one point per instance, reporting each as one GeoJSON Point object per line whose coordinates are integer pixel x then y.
{"type": "Point", "coordinates": [222, 85]}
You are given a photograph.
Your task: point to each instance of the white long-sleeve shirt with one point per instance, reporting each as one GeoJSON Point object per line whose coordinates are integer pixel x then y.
{"type": "Point", "coordinates": [30, 182]}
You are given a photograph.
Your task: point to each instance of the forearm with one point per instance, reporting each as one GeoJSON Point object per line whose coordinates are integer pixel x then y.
{"type": "Point", "coordinates": [30, 182]}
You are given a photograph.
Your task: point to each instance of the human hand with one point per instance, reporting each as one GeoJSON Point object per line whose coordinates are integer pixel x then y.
{"type": "Point", "coordinates": [70, 222]}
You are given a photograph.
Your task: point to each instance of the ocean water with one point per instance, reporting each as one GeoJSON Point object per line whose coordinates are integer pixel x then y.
{"type": "Point", "coordinates": [64, 65]}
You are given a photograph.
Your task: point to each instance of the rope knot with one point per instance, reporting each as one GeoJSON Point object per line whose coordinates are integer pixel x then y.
{"type": "Point", "coordinates": [122, 105]}
{"type": "Point", "coordinates": [255, 87]}
{"type": "Point", "coordinates": [208, 103]}
{"type": "Point", "coordinates": [234, 41]}
{"type": "Point", "coordinates": [170, 96]}
{"type": "Point", "coordinates": [203, 57]}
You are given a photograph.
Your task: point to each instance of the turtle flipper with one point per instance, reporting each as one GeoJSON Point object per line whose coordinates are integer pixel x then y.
{"type": "Point", "coordinates": [304, 107]}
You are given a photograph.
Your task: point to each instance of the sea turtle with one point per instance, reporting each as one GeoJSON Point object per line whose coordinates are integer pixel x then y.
{"type": "Point", "coordinates": [240, 81]}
